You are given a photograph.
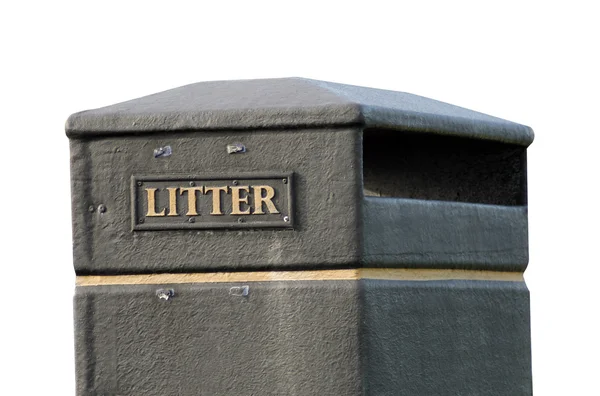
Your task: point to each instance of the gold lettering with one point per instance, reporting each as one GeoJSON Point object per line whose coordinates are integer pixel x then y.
{"type": "Point", "coordinates": [216, 198]}
{"type": "Point", "coordinates": [152, 203]}
{"type": "Point", "coordinates": [267, 199]}
{"type": "Point", "coordinates": [172, 201]}
{"type": "Point", "coordinates": [192, 209]}
{"type": "Point", "coordinates": [236, 200]}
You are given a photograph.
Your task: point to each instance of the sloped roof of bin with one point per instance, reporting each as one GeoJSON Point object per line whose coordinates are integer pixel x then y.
{"type": "Point", "coordinates": [289, 103]}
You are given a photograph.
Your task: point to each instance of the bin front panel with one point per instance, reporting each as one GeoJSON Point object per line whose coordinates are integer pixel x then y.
{"type": "Point", "coordinates": [122, 227]}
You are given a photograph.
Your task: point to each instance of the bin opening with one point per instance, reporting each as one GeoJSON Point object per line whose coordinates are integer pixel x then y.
{"type": "Point", "coordinates": [399, 164]}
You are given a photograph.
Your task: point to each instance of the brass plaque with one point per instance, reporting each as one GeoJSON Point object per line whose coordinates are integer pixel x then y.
{"type": "Point", "coordinates": [190, 202]}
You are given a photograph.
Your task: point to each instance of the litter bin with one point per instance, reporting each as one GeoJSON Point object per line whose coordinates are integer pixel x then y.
{"type": "Point", "coordinates": [298, 237]}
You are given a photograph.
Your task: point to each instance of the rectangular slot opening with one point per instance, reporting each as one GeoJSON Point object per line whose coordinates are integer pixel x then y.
{"type": "Point", "coordinates": [445, 168]}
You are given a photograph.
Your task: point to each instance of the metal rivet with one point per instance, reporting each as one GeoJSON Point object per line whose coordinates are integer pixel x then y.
{"type": "Point", "coordinates": [192, 184]}
{"type": "Point", "coordinates": [165, 294]}
{"type": "Point", "coordinates": [139, 183]}
{"type": "Point", "coordinates": [235, 182]}
{"type": "Point", "coordinates": [91, 208]}
{"type": "Point", "coordinates": [162, 152]}
{"type": "Point", "coordinates": [192, 220]}
{"type": "Point", "coordinates": [286, 218]}
{"type": "Point", "coordinates": [284, 181]}
{"type": "Point", "coordinates": [101, 208]}
{"type": "Point", "coordinates": [236, 148]}
{"type": "Point", "coordinates": [140, 221]}
{"type": "Point", "coordinates": [240, 220]}
{"type": "Point", "coordinates": [241, 291]}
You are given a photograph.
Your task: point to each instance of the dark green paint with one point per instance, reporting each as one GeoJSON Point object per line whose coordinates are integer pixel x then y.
{"type": "Point", "coordinates": [381, 179]}
{"type": "Point", "coordinates": [305, 338]}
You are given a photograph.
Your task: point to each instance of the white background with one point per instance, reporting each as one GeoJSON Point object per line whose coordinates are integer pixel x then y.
{"type": "Point", "coordinates": [533, 62]}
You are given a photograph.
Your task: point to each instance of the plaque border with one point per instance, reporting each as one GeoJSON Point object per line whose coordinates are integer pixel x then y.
{"type": "Point", "coordinates": [199, 225]}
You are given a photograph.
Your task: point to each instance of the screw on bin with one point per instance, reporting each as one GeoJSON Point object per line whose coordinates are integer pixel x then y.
{"type": "Point", "coordinates": [240, 291]}
{"type": "Point", "coordinates": [162, 152]}
{"type": "Point", "coordinates": [165, 294]}
{"type": "Point", "coordinates": [236, 148]}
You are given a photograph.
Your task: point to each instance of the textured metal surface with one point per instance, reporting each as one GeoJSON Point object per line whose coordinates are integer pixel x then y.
{"type": "Point", "coordinates": [418, 191]}
{"type": "Point", "coordinates": [334, 224]}
{"type": "Point", "coordinates": [367, 337]}
{"type": "Point", "coordinates": [446, 338]}
{"type": "Point", "coordinates": [298, 338]}
{"type": "Point", "coordinates": [437, 234]}
{"type": "Point", "coordinates": [290, 103]}
{"type": "Point", "coordinates": [326, 192]}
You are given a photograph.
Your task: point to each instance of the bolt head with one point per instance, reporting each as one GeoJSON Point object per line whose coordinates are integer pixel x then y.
{"type": "Point", "coordinates": [165, 294]}
{"type": "Point", "coordinates": [191, 220]}
{"type": "Point", "coordinates": [286, 219]}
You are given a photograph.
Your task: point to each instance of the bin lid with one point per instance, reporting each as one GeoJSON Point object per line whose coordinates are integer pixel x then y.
{"type": "Point", "coordinates": [289, 103]}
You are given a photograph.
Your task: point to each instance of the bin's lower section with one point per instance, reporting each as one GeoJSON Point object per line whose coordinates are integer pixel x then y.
{"type": "Point", "coordinates": [343, 332]}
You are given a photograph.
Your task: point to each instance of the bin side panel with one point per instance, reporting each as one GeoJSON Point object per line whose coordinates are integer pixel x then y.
{"type": "Point", "coordinates": [446, 338]}
{"type": "Point", "coordinates": [435, 234]}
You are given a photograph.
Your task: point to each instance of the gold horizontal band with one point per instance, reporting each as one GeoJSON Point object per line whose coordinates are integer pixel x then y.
{"type": "Point", "coordinates": [316, 275]}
